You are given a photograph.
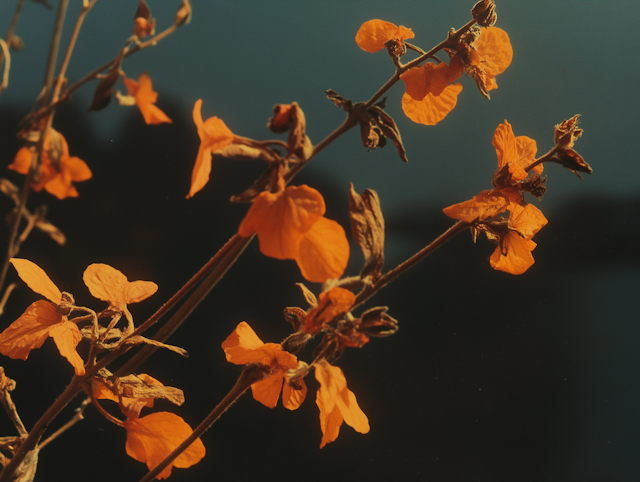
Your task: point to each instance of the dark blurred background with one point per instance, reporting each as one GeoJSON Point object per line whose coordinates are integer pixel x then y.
{"type": "Point", "coordinates": [491, 377]}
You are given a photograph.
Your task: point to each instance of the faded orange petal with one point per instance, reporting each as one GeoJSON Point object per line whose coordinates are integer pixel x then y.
{"type": "Point", "coordinates": [214, 135]}
{"type": "Point", "coordinates": [484, 205]}
{"type": "Point", "coordinates": [240, 346]}
{"type": "Point", "coordinates": [29, 331]}
{"type": "Point", "coordinates": [518, 257]}
{"type": "Point", "coordinates": [146, 98]}
{"type": "Point", "coordinates": [109, 284]}
{"type": "Point", "coordinates": [432, 109]}
{"type": "Point", "coordinates": [36, 279]}
{"type": "Point", "coordinates": [518, 151]}
{"type": "Point", "coordinates": [282, 220]}
{"type": "Point", "coordinates": [323, 252]}
{"type": "Point", "coordinates": [66, 335]}
{"type": "Point", "coordinates": [415, 81]}
{"type": "Point", "coordinates": [151, 438]}
{"type": "Point", "coordinates": [494, 49]}
{"type": "Point", "coordinates": [373, 34]}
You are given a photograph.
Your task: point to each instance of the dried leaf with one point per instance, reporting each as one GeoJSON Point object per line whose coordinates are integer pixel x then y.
{"type": "Point", "coordinates": [102, 92]}
{"type": "Point", "coordinates": [135, 340]}
{"type": "Point", "coordinates": [367, 229]}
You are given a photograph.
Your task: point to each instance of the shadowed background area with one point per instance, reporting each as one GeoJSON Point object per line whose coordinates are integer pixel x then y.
{"type": "Point", "coordinates": [491, 376]}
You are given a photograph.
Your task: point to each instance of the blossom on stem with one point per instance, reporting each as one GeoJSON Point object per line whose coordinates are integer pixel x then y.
{"type": "Point", "coordinates": [290, 225]}
{"type": "Point", "coordinates": [513, 254]}
{"type": "Point", "coordinates": [337, 301]}
{"type": "Point", "coordinates": [109, 284]}
{"type": "Point", "coordinates": [150, 439]}
{"type": "Point", "coordinates": [243, 347]}
{"type": "Point", "coordinates": [373, 35]}
{"type": "Point", "coordinates": [430, 94]}
{"type": "Point", "coordinates": [214, 135]}
{"type": "Point", "coordinates": [57, 170]}
{"type": "Point", "coordinates": [42, 320]}
{"type": "Point", "coordinates": [515, 154]}
{"type": "Point", "coordinates": [336, 403]}
{"type": "Point", "coordinates": [145, 98]}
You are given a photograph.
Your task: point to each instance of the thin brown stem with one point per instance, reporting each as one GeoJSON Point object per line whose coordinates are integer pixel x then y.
{"type": "Point", "coordinates": [55, 46]}
{"type": "Point", "coordinates": [389, 276]}
{"type": "Point", "coordinates": [41, 425]}
{"type": "Point", "coordinates": [543, 158]}
{"type": "Point", "coordinates": [4, 49]}
{"type": "Point", "coordinates": [14, 23]}
{"type": "Point", "coordinates": [72, 42]}
{"type": "Point", "coordinates": [250, 375]}
{"type": "Point", "coordinates": [79, 415]}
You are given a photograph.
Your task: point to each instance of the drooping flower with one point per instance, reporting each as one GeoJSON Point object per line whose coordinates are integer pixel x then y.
{"type": "Point", "coordinates": [152, 437]}
{"type": "Point", "coordinates": [243, 347]}
{"type": "Point", "coordinates": [109, 284]}
{"type": "Point", "coordinates": [430, 94]}
{"type": "Point", "coordinates": [372, 35]}
{"type": "Point", "coordinates": [145, 98]}
{"type": "Point", "coordinates": [214, 135]}
{"type": "Point", "coordinates": [58, 170]}
{"type": "Point", "coordinates": [336, 403]}
{"type": "Point", "coordinates": [513, 254]}
{"type": "Point", "coordinates": [42, 319]}
{"type": "Point", "coordinates": [290, 225]}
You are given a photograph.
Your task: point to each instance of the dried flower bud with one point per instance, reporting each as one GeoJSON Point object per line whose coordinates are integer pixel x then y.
{"type": "Point", "coordinates": [535, 185]}
{"type": "Point", "coordinates": [396, 47]}
{"type": "Point", "coordinates": [376, 322]}
{"type": "Point", "coordinates": [566, 133]}
{"type": "Point", "coordinates": [367, 228]}
{"type": "Point", "coordinates": [339, 101]}
{"type": "Point", "coordinates": [144, 24]}
{"type": "Point", "coordinates": [295, 342]}
{"type": "Point", "coordinates": [573, 161]}
{"type": "Point", "coordinates": [484, 13]}
{"type": "Point", "coordinates": [66, 303]}
{"type": "Point", "coordinates": [183, 15]}
{"type": "Point", "coordinates": [295, 316]}
{"type": "Point", "coordinates": [102, 94]}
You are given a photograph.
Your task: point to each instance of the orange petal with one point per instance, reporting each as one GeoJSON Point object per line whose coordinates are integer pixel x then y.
{"type": "Point", "coordinates": [415, 81]}
{"type": "Point", "coordinates": [29, 331]}
{"type": "Point", "coordinates": [332, 303]}
{"type": "Point", "coordinates": [373, 34]}
{"type": "Point", "coordinates": [146, 98]}
{"type": "Point", "coordinates": [336, 403]}
{"type": "Point", "coordinates": [109, 284]}
{"type": "Point", "coordinates": [242, 346]}
{"type": "Point", "coordinates": [151, 438]}
{"type": "Point", "coordinates": [78, 169]}
{"type": "Point", "coordinates": [505, 143]}
{"type": "Point", "coordinates": [526, 220]}
{"type": "Point", "coordinates": [527, 149]}
{"type": "Point", "coordinates": [432, 109]}
{"type": "Point", "coordinates": [484, 205]}
{"type": "Point", "coordinates": [518, 257]}
{"type": "Point", "coordinates": [214, 135]}
{"type": "Point", "coordinates": [36, 279]}
{"type": "Point", "coordinates": [323, 252]}
{"type": "Point", "coordinates": [494, 49]}
{"type": "Point", "coordinates": [267, 391]}
{"type": "Point", "coordinates": [292, 398]}
{"type": "Point", "coordinates": [66, 335]}
{"type": "Point", "coordinates": [283, 219]}
{"type": "Point", "coordinates": [22, 161]}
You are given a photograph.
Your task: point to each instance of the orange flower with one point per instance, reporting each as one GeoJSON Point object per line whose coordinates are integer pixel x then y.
{"type": "Point", "coordinates": [332, 303]}
{"type": "Point", "coordinates": [485, 205]}
{"type": "Point", "coordinates": [336, 403]}
{"type": "Point", "coordinates": [41, 320]}
{"type": "Point", "coordinates": [152, 437]}
{"type": "Point", "coordinates": [373, 34]}
{"type": "Point", "coordinates": [145, 99]}
{"type": "Point", "coordinates": [109, 284]}
{"type": "Point", "coordinates": [214, 135]}
{"type": "Point", "coordinates": [514, 153]}
{"type": "Point", "coordinates": [58, 170]}
{"type": "Point", "coordinates": [430, 96]}
{"type": "Point", "coordinates": [290, 225]}
{"type": "Point", "coordinates": [513, 254]}
{"type": "Point", "coordinates": [243, 347]}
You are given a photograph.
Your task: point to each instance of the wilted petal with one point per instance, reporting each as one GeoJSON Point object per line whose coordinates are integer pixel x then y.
{"type": "Point", "coordinates": [484, 205]}
{"type": "Point", "coordinates": [518, 258]}
{"type": "Point", "coordinates": [373, 34]}
{"type": "Point", "coordinates": [66, 335]}
{"type": "Point", "coordinates": [29, 331]}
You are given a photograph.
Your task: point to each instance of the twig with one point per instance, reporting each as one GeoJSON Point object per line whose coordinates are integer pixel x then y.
{"type": "Point", "coordinates": [79, 415]}
{"type": "Point", "coordinates": [7, 65]}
